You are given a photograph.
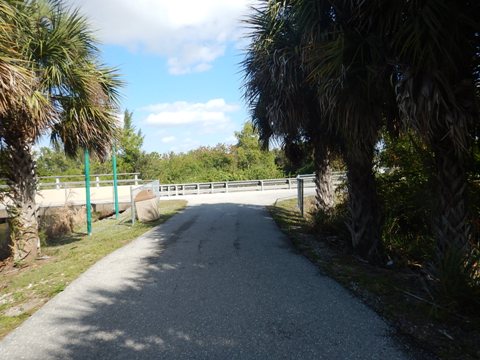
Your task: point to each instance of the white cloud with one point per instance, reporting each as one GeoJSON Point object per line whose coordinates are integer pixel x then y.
{"type": "Point", "coordinates": [168, 139]}
{"type": "Point", "coordinates": [213, 112]}
{"type": "Point", "coordinates": [230, 140]}
{"type": "Point", "coordinates": [190, 33]}
{"type": "Point", "coordinates": [185, 145]}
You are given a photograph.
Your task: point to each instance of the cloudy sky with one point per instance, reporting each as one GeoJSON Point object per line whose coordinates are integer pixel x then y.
{"type": "Point", "coordinates": [180, 61]}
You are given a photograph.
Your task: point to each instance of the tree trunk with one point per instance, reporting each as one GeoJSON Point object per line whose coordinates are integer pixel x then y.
{"type": "Point", "coordinates": [451, 226]}
{"type": "Point", "coordinates": [365, 222]}
{"type": "Point", "coordinates": [325, 195]}
{"type": "Point", "coordinates": [22, 209]}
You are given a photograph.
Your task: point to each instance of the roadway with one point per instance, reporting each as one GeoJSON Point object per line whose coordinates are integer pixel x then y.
{"type": "Point", "coordinates": [218, 281]}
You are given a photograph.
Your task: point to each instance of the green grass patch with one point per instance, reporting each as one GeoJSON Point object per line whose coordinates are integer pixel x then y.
{"type": "Point", "coordinates": [24, 290]}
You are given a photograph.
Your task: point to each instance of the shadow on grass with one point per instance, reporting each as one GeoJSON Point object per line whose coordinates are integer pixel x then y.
{"type": "Point", "coordinates": [66, 239]}
{"type": "Point", "coordinates": [290, 220]}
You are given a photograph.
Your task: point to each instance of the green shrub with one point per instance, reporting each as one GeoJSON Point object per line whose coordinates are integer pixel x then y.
{"type": "Point", "coordinates": [407, 202]}
{"type": "Point", "coordinates": [333, 222]}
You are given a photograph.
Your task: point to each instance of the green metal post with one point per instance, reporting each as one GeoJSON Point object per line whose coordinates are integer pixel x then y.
{"type": "Point", "coordinates": [115, 185]}
{"type": "Point", "coordinates": [87, 194]}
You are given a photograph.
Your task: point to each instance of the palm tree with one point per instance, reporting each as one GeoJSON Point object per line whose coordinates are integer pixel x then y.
{"type": "Point", "coordinates": [350, 72]}
{"type": "Point", "coordinates": [79, 101]}
{"type": "Point", "coordinates": [16, 79]}
{"type": "Point", "coordinates": [435, 45]}
{"type": "Point", "coordinates": [283, 105]}
{"type": "Point", "coordinates": [312, 74]}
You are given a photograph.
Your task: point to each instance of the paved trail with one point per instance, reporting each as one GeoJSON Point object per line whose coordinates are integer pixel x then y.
{"type": "Point", "coordinates": [218, 281]}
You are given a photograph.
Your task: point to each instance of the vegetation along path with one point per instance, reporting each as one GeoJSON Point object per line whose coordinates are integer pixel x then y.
{"type": "Point", "coordinates": [218, 281]}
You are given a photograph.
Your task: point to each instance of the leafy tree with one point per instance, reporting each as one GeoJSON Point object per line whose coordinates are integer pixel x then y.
{"type": "Point", "coordinates": [54, 161]}
{"type": "Point", "coordinates": [74, 98]}
{"type": "Point", "coordinates": [254, 162]}
{"type": "Point", "coordinates": [51, 162]}
{"type": "Point", "coordinates": [129, 145]}
{"type": "Point", "coordinates": [245, 160]}
{"type": "Point", "coordinates": [406, 194]}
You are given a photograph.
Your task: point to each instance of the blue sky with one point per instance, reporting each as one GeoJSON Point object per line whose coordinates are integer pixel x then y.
{"type": "Point", "coordinates": [180, 60]}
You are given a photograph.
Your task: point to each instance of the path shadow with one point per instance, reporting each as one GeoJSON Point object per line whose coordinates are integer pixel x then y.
{"type": "Point", "coordinates": [148, 316]}
{"type": "Point", "coordinates": [201, 293]}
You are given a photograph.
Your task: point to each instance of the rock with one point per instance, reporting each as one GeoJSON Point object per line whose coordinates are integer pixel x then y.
{"type": "Point", "coordinates": [148, 210]}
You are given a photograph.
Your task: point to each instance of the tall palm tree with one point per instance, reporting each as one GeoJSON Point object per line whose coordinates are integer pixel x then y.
{"type": "Point", "coordinates": [435, 45]}
{"type": "Point", "coordinates": [283, 105]}
{"type": "Point", "coordinates": [80, 98]}
{"type": "Point", "coordinates": [350, 72]}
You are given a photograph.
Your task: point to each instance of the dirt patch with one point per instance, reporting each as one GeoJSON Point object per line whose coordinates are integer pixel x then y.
{"type": "Point", "coordinates": [23, 308]}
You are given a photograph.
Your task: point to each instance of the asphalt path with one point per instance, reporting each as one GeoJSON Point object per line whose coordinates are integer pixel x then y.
{"type": "Point", "coordinates": [218, 281]}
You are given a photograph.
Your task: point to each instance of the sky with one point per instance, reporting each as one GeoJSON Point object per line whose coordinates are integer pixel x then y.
{"type": "Point", "coordinates": [180, 61]}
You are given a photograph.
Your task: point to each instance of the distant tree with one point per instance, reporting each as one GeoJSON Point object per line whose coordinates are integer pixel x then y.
{"type": "Point", "coordinates": [129, 145]}
{"type": "Point", "coordinates": [245, 160]}
{"type": "Point", "coordinates": [252, 160]}
{"type": "Point", "coordinates": [149, 165]}
{"type": "Point", "coordinates": [52, 162]}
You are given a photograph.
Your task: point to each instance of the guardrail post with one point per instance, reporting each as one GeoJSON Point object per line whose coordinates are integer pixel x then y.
{"type": "Point", "coordinates": [300, 204]}
{"type": "Point", "coordinates": [135, 177]}
{"type": "Point", "coordinates": [261, 184]}
{"type": "Point", "coordinates": [226, 186]}
{"type": "Point", "coordinates": [198, 189]}
{"type": "Point", "coordinates": [132, 206]}
{"type": "Point", "coordinates": [97, 181]}
{"type": "Point", "coordinates": [87, 192]}
{"type": "Point", "coordinates": [57, 183]}
{"type": "Point", "coordinates": [289, 183]}
{"type": "Point", "coordinates": [211, 188]}
{"type": "Point", "coordinates": [176, 190]}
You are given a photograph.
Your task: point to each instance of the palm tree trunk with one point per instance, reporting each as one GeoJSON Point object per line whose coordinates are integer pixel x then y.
{"type": "Point", "coordinates": [324, 192]}
{"type": "Point", "coordinates": [451, 226]}
{"type": "Point", "coordinates": [22, 210]}
{"type": "Point", "coordinates": [365, 222]}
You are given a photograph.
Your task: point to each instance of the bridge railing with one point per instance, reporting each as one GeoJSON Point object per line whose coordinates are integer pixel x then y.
{"type": "Point", "coordinates": [167, 190]}
{"type": "Point", "coordinates": [77, 181]}
{"type": "Point", "coordinates": [212, 187]}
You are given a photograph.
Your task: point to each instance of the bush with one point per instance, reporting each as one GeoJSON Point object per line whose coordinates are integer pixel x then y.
{"type": "Point", "coordinates": [407, 203]}
{"type": "Point", "coordinates": [457, 282]}
{"type": "Point", "coordinates": [61, 222]}
{"type": "Point", "coordinates": [332, 223]}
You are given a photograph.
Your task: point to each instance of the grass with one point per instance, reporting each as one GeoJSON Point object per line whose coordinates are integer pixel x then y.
{"type": "Point", "coordinates": [24, 290]}
{"type": "Point", "coordinates": [396, 294]}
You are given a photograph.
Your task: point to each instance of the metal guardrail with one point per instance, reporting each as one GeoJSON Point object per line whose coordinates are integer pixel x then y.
{"type": "Point", "coordinates": [95, 180]}
{"type": "Point", "coordinates": [212, 187]}
{"type": "Point", "coordinates": [167, 190]}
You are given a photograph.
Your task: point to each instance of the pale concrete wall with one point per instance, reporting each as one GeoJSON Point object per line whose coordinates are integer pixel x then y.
{"type": "Point", "coordinates": [77, 195]}
{"type": "Point", "coordinates": [54, 197]}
